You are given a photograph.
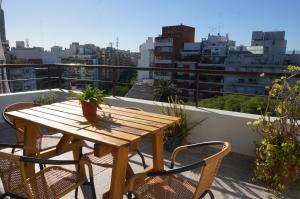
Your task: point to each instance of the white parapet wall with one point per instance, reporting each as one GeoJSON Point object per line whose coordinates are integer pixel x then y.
{"type": "Point", "coordinates": [217, 124]}
{"type": "Point", "coordinates": [29, 96]}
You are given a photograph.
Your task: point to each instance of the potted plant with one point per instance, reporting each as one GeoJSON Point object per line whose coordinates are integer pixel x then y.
{"type": "Point", "coordinates": [278, 153]}
{"type": "Point", "coordinates": [90, 99]}
{"type": "Point", "coordinates": [44, 100]}
{"type": "Point", "coordinates": [176, 135]}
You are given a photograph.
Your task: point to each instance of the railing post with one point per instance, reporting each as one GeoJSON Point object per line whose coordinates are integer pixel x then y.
{"type": "Point", "coordinates": [197, 89]}
{"type": "Point", "coordinates": [59, 70]}
{"type": "Point", "coordinates": [48, 78]}
{"type": "Point", "coordinates": [113, 81]}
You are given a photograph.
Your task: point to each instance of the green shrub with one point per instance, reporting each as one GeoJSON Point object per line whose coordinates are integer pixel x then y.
{"type": "Point", "coordinates": [238, 103]}
{"type": "Point", "coordinates": [254, 105]}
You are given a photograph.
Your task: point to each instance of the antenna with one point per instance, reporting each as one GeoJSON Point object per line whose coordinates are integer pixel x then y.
{"type": "Point", "coordinates": [111, 44]}
{"type": "Point", "coordinates": [27, 43]}
{"type": "Point", "coordinates": [117, 43]}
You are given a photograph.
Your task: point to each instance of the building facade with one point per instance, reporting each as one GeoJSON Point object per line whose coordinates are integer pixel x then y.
{"type": "Point", "coordinates": [168, 46]}
{"type": "Point", "coordinates": [146, 59]}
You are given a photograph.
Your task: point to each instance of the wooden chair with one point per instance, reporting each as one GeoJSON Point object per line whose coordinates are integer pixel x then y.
{"type": "Point", "coordinates": [50, 183]}
{"type": "Point", "coordinates": [166, 184]}
{"type": "Point", "coordinates": [44, 142]}
{"type": "Point", "coordinates": [107, 160]}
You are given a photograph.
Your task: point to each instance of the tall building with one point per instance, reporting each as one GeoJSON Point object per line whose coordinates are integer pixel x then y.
{"type": "Point", "coordinates": [267, 53]}
{"type": "Point", "coordinates": [168, 46]}
{"type": "Point", "coordinates": [146, 58]}
{"type": "Point", "coordinates": [2, 24]}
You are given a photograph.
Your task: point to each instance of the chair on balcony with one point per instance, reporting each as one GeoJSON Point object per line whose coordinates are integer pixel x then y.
{"type": "Point", "coordinates": [44, 142]}
{"type": "Point", "coordinates": [50, 183]}
{"type": "Point", "coordinates": [107, 160]}
{"type": "Point", "coordinates": [166, 184]}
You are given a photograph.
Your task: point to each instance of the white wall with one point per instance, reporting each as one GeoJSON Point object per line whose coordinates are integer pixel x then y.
{"type": "Point", "coordinates": [146, 59]}
{"type": "Point", "coordinates": [219, 125]}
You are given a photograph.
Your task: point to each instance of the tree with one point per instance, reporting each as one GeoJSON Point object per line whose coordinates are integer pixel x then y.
{"type": "Point", "coordinates": [164, 89]}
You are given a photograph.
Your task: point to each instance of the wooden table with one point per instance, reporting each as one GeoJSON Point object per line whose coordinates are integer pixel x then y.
{"type": "Point", "coordinates": [114, 128]}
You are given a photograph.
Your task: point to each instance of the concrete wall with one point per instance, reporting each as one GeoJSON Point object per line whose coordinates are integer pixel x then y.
{"type": "Point", "coordinates": [217, 124]}
{"type": "Point", "coordinates": [10, 98]}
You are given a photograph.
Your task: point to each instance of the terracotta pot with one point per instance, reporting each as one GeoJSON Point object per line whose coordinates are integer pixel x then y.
{"type": "Point", "coordinates": [89, 109]}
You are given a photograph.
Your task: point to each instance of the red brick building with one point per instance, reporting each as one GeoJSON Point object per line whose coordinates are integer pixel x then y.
{"type": "Point", "coordinates": [168, 46]}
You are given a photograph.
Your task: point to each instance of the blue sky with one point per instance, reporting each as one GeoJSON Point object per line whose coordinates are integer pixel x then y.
{"type": "Point", "coordinates": [59, 22]}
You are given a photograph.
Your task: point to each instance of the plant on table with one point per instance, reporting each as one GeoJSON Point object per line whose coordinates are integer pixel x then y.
{"type": "Point", "coordinates": [176, 135]}
{"type": "Point", "coordinates": [90, 99]}
{"type": "Point", "coordinates": [278, 153]}
{"type": "Point", "coordinates": [44, 100]}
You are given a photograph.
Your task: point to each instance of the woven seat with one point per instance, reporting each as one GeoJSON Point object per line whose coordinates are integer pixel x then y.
{"type": "Point", "coordinates": [50, 183]}
{"type": "Point", "coordinates": [44, 142]}
{"type": "Point", "coordinates": [166, 184]}
{"type": "Point", "coordinates": [53, 182]}
{"type": "Point", "coordinates": [164, 187]}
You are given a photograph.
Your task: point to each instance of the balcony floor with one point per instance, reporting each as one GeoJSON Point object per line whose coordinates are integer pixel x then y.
{"type": "Point", "coordinates": [234, 179]}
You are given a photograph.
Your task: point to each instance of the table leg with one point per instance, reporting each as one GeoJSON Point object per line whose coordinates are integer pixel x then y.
{"type": "Point", "coordinates": [30, 137]}
{"type": "Point", "coordinates": [158, 150]}
{"type": "Point", "coordinates": [119, 172]}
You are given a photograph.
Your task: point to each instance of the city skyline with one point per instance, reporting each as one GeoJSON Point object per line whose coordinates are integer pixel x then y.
{"type": "Point", "coordinates": [50, 23]}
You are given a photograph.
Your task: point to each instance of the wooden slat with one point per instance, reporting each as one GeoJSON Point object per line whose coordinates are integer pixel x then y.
{"type": "Point", "coordinates": [130, 117]}
{"type": "Point", "coordinates": [85, 134]}
{"type": "Point", "coordinates": [133, 115]}
{"type": "Point", "coordinates": [113, 120]}
{"type": "Point", "coordinates": [105, 124]}
{"type": "Point", "coordinates": [174, 119]}
{"type": "Point", "coordinates": [82, 124]}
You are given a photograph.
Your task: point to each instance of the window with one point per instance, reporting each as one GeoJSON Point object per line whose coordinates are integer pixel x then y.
{"type": "Point", "coordinates": [241, 81]}
{"type": "Point", "coordinates": [164, 48]}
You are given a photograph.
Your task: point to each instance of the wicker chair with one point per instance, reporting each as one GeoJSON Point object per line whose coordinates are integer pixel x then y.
{"type": "Point", "coordinates": [107, 160]}
{"type": "Point", "coordinates": [50, 183]}
{"type": "Point", "coordinates": [166, 184]}
{"type": "Point", "coordinates": [44, 142]}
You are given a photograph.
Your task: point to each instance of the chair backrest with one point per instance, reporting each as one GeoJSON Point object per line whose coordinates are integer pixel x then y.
{"type": "Point", "coordinates": [13, 176]}
{"type": "Point", "coordinates": [209, 171]}
{"type": "Point", "coordinates": [134, 108]}
{"type": "Point", "coordinates": [9, 120]}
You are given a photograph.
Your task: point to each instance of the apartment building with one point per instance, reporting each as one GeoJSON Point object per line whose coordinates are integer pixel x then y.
{"type": "Point", "coordinates": [146, 59]}
{"type": "Point", "coordinates": [267, 53]}
{"type": "Point", "coordinates": [168, 46]}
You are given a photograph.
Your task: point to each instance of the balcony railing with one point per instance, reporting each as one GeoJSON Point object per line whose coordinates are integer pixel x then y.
{"type": "Point", "coordinates": [56, 76]}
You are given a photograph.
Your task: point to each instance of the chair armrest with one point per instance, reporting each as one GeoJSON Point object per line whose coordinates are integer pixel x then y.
{"type": "Point", "coordinates": [143, 175]}
{"type": "Point", "coordinates": [51, 162]}
{"type": "Point", "coordinates": [189, 167]}
{"type": "Point", "coordinates": [185, 147]}
{"type": "Point", "coordinates": [7, 145]}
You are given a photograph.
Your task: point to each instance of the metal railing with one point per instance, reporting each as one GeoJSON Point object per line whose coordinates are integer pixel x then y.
{"type": "Point", "coordinates": [52, 75]}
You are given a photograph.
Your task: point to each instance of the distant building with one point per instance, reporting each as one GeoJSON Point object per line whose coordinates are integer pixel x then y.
{"type": "Point", "coordinates": [168, 46]}
{"type": "Point", "coordinates": [146, 59]}
{"type": "Point", "coordinates": [267, 53]}
{"type": "Point", "coordinates": [2, 24]}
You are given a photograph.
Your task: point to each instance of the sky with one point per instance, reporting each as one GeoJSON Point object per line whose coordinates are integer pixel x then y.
{"type": "Point", "coordinates": [46, 23]}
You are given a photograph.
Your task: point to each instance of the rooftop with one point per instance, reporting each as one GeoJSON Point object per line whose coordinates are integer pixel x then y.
{"type": "Point", "coordinates": [234, 179]}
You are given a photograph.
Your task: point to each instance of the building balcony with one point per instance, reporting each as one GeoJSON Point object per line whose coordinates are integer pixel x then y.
{"type": "Point", "coordinates": [234, 179]}
{"type": "Point", "coordinates": [163, 61]}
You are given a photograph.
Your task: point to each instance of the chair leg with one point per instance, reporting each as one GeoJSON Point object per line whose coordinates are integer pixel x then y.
{"type": "Point", "coordinates": [76, 193]}
{"type": "Point", "coordinates": [10, 195]}
{"type": "Point", "coordinates": [209, 192]}
{"type": "Point", "coordinates": [13, 150]}
{"type": "Point", "coordinates": [41, 166]}
{"type": "Point", "coordinates": [129, 195]}
{"type": "Point", "coordinates": [143, 159]}
{"type": "Point", "coordinates": [92, 184]}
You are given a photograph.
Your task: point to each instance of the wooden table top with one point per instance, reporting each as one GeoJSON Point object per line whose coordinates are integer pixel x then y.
{"type": "Point", "coordinates": [114, 126]}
